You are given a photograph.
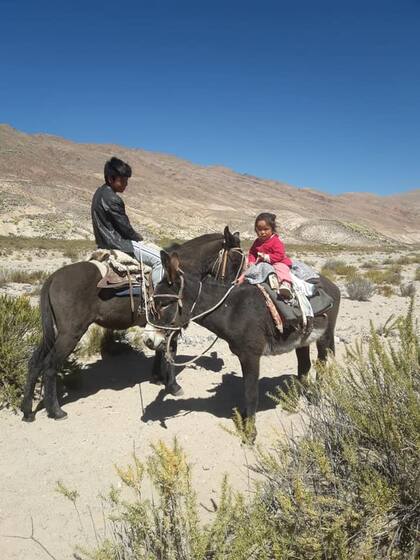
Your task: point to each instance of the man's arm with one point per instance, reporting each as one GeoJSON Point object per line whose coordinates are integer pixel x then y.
{"type": "Point", "coordinates": [116, 210]}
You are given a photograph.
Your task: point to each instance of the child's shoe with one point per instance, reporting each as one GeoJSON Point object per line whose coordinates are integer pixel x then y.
{"type": "Point", "coordinates": [285, 290]}
{"type": "Point", "coordinates": [273, 282]}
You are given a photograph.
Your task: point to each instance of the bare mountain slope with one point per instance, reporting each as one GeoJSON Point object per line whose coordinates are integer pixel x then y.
{"type": "Point", "coordinates": [46, 185]}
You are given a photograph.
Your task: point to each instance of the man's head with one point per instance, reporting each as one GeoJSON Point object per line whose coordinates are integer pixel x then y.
{"type": "Point", "coordinates": [117, 173]}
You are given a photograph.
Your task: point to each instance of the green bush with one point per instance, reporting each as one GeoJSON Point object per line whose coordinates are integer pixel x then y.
{"type": "Point", "coordinates": [20, 331]}
{"type": "Point", "coordinates": [360, 289]}
{"type": "Point", "coordinates": [337, 267]}
{"type": "Point", "coordinates": [348, 488]}
{"type": "Point", "coordinates": [390, 276]}
{"type": "Point", "coordinates": [417, 273]}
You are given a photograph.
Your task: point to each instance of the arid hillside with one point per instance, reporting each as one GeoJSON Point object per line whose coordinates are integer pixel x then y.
{"type": "Point", "coordinates": [46, 184]}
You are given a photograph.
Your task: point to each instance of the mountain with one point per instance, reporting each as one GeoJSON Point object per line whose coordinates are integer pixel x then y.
{"type": "Point", "coordinates": [47, 182]}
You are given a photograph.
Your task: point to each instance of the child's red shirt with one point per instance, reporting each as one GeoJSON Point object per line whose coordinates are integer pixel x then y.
{"type": "Point", "coordinates": [272, 247]}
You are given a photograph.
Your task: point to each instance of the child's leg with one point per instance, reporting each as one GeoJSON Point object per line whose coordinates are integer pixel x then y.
{"type": "Point", "coordinates": [283, 272]}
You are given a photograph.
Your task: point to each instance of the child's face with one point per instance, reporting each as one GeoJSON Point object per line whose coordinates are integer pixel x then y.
{"type": "Point", "coordinates": [263, 230]}
{"type": "Point", "coordinates": [118, 184]}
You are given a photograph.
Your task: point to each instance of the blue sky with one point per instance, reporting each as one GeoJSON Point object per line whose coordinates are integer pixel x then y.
{"type": "Point", "coordinates": [321, 94]}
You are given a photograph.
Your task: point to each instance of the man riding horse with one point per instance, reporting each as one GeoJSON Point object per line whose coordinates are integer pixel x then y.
{"type": "Point", "coordinates": [111, 225]}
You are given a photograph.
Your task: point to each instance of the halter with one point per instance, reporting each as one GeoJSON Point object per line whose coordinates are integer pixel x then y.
{"type": "Point", "coordinates": [221, 261]}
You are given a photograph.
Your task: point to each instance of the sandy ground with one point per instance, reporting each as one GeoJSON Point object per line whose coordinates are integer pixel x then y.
{"type": "Point", "coordinates": [106, 423]}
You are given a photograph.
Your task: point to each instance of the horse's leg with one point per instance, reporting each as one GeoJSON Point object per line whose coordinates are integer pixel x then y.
{"type": "Point", "coordinates": [250, 364]}
{"type": "Point", "coordinates": [63, 346]}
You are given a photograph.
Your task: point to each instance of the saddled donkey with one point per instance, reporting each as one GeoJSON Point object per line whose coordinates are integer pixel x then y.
{"type": "Point", "coordinates": [70, 302]}
{"type": "Point", "coordinates": [242, 319]}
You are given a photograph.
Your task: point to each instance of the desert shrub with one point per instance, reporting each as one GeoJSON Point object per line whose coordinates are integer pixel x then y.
{"type": "Point", "coordinates": [20, 331]}
{"type": "Point", "coordinates": [385, 290]}
{"type": "Point", "coordinates": [369, 265]}
{"type": "Point", "coordinates": [389, 276]}
{"type": "Point", "coordinates": [404, 259]}
{"type": "Point", "coordinates": [338, 267]}
{"type": "Point", "coordinates": [360, 289]}
{"type": "Point", "coordinates": [22, 276]}
{"type": "Point", "coordinates": [348, 488]}
{"type": "Point", "coordinates": [408, 290]}
{"type": "Point", "coordinates": [415, 258]}
{"type": "Point", "coordinates": [417, 274]}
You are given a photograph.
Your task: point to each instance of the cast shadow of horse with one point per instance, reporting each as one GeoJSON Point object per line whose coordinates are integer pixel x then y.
{"type": "Point", "coordinates": [222, 399]}
{"type": "Point", "coordinates": [126, 368]}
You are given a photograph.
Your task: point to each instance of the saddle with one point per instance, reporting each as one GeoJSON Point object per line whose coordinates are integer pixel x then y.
{"type": "Point", "coordinates": [118, 270]}
{"type": "Point", "coordinates": [289, 313]}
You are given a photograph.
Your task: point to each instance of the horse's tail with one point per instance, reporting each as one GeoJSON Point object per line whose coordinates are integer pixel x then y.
{"type": "Point", "coordinates": [47, 320]}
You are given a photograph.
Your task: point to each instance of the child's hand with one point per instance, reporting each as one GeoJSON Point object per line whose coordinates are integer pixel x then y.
{"type": "Point", "coordinates": [240, 280]}
{"type": "Point", "coordinates": [264, 257]}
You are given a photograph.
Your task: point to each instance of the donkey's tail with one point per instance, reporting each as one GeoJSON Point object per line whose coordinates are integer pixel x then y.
{"type": "Point", "coordinates": [47, 319]}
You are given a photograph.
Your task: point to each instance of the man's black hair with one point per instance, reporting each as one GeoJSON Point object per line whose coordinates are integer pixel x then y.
{"type": "Point", "coordinates": [115, 167]}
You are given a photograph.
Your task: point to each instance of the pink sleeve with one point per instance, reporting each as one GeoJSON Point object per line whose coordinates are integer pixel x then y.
{"type": "Point", "coordinates": [252, 255]}
{"type": "Point", "coordinates": [278, 251]}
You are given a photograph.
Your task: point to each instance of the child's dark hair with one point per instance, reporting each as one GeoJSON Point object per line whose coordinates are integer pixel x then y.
{"type": "Point", "coordinates": [268, 218]}
{"type": "Point", "coordinates": [115, 167]}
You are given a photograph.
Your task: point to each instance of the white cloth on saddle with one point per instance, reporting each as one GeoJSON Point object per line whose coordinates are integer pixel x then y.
{"type": "Point", "coordinates": [302, 290]}
{"type": "Point", "coordinates": [118, 260]}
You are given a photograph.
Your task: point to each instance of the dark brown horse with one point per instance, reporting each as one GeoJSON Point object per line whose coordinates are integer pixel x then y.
{"type": "Point", "coordinates": [70, 302]}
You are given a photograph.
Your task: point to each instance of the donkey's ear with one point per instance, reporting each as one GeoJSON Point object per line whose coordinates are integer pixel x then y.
{"type": "Point", "coordinates": [166, 259]}
{"type": "Point", "coordinates": [174, 260]}
{"type": "Point", "coordinates": [173, 269]}
{"type": "Point", "coordinates": [231, 239]}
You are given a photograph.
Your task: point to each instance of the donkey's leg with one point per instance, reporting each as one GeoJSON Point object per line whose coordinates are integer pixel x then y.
{"type": "Point", "coordinates": [304, 362]}
{"type": "Point", "coordinates": [34, 370]}
{"type": "Point", "coordinates": [171, 382]}
{"type": "Point", "coordinates": [250, 364]}
{"type": "Point", "coordinates": [326, 344]}
{"type": "Point", "coordinates": [63, 346]}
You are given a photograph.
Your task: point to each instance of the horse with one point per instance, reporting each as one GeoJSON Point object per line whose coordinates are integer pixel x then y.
{"type": "Point", "coordinates": [238, 315]}
{"type": "Point", "coordinates": [70, 302]}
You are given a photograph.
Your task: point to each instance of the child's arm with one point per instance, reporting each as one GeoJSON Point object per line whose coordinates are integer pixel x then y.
{"type": "Point", "coordinates": [278, 252]}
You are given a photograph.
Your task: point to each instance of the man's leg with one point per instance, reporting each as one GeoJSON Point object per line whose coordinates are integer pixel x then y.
{"type": "Point", "coordinates": [150, 257]}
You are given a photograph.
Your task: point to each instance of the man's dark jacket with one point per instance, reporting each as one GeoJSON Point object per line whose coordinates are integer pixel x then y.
{"type": "Point", "coordinates": [111, 225]}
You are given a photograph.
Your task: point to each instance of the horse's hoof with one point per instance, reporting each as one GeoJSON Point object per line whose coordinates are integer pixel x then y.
{"type": "Point", "coordinates": [176, 390]}
{"type": "Point", "coordinates": [28, 417]}
{"type": "Point", "coordinates": [61, 415]}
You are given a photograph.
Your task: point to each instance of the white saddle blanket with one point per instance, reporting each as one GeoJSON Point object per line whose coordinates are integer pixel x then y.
{"type": "Point", "coordinates": [118, 260]}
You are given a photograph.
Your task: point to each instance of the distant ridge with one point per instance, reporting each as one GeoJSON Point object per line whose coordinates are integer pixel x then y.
{"type": "Point", "coordinates": [46, 185]}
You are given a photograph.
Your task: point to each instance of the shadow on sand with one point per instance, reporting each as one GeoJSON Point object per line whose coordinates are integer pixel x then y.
{"type": "Point", "coordinates": [129, 368]}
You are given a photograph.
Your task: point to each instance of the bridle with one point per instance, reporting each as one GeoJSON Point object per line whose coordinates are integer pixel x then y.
{"type": "Point", "coordinates": [221, 265]}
